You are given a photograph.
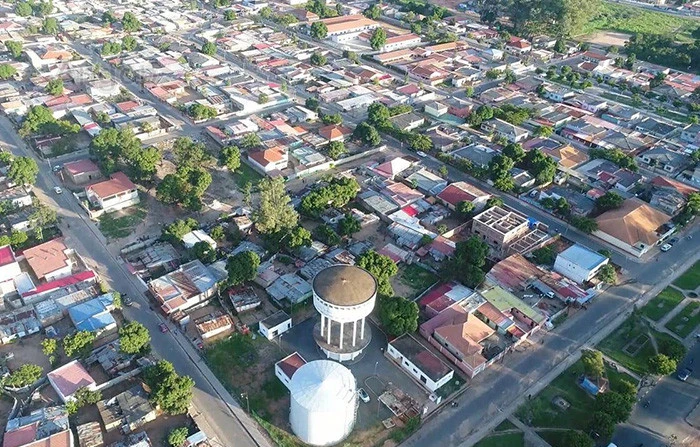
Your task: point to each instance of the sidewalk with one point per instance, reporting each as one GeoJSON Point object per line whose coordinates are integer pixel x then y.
{"type": "Point", "coordinates": [621, 368]}
{"type": "Point", "coordinates": [531, 438]}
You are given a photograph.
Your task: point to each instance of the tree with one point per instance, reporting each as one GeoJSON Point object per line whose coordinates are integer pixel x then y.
{"type": "Point", "coordinates": [78, 343]}
{"type": "Point", "coordinates": [171, 392]}
{"type": "Point", "coordinates": [218, 233]}
{"type": "Point", "coordinates": [23, 171]}
{"type": "Point", "coordinates": [349, 225]}
{"type": "Point", "coordinates": [178, 436]}
{"type": "Point", "coordinates": [318, 59]}
{"type": "Point", "coordinates": [420, 142]}
{"type": "Point", "coordinates": [55, 87]}
{"type": "Point", "coordinates": [15, 48]}
{"type": "Point", "coordinates": [467, 262]}
{"type": "Point", "coordinates": [509, 77]}
{"type": "Point", "coordinates": [544, 131]}
{"type": "Point", "coordinates": [352, 56]}
{"type": "Point", "coordinates": [398, 315]}
{"type": "Point", "coordinates": [50, 26]}
{"type": "Point", "coordinates": [201, 112]}
{"type": "Point", "coordinates": [250, 141]}
{"type": "Point", "coordinates": [312, 103]}
{"type": "Point", "coordinates": [130, 23]}
{"type": "Point", "coordinates": [338, 193]}
{"type": "Point", "coordinates": [327, 235]}
{"type": "Point", "coordinates": [109, 17]}
{"type": "Point", "coordinates": [23, 9]}
{"type": "Point", "coordinates": [607, 274]}
{"type": "Point", "coordinates": [514, 151]}
{"type": "Point", "coordinates": [469, 91]}
{"type": "Point", "coordinates": [334, 118]}
{"type": "Point", "coordinates": [573, 438]}
{"type": "Point", "coordinates": [381, 267]}
{"type": "Point", "coordinates": [229, 15]}
{"type": "Point", "coordinates": [593, 364]}
{"type": "Point", "coordinates": [661, 364]}
{"type": "Point", "coordinates": [263, 98]}
{"type": "Point", "coordinates": [230, 157]}
{"type": "Point", "coordinates": [129, 43]}
{"type": "Point", "coordinates": [494, 201]}
{"type": "Point", "coordinates": [609, 201]}
{"type": "Point", "coordinates": [49, 346]}
{"type": "Point", "coordinates": [465, 208]}
{"type": "Point", "coordinates": [25, 375]}
{"type": "Point", "coordinates": [378, 115]}
{"type": "Point", "coordinates": [208, 48]}
{"type": "Point", "coordinates": [614, 404]}
{"type": "Point", "coordinates": [627, 389]}
{"type": "Point", "coordinates": [378, 38]}
{"type": "Point", "coordinates": [336, 149]}
{"type": "Point", "coordinates": [176, 230]}
{"type": "Point", "coordinates": [242, 267]}
{"type": "Point", "coordinates": [319, 30]}
{"type": "Point", "coordinates": [274, 213]}
{"type": "Point", "coordinates": [7, 71]}
{"type": "Point", "coordinates": [134, 338]}
{"type": "Point", "coordinates": [544, 255]}
{"type": "Point", "coordinates": [672, 349]}
{"type": "Point", "coordinates": [373, 12]}
{"type": "Point", "coordinates": [367, 134]}
{"type": "Point", "coordinates": [602, 424]}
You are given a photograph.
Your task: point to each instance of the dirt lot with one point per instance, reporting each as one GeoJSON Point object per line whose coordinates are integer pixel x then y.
{"type": "Point", "coordinates": [607, 38]}
{"type": "Point", "coordinates": [26, 351]}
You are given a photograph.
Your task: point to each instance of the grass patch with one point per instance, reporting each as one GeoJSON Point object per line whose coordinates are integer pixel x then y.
{"type": "Point", "coordinates": [237, 351]}
{"type": "Point", "coordinates": [122, 226]}
{"type": "Point", "coordinates": [507, 440]}
{"type": "Point", "coordinates": [541, 412]}
{"type": "Point", "coordinates": [451, 387]}
{"type": "Point", "coordinates": [690, 280]}
{"type": "Point", "coordinates": [633, 20]}
{"type": "Point", "coordinates": [505, 425]}
{"type": "Point", "coordinates": [417, 278]}
{"type": "Point", "coordinates": [274, 389]}
{"type": "Point", "coordinates": [280, 437]}
{"type": "Point", "coordinates": [245, 174]}
{"type": "Point", "coordinates": [662, 303]}
{"type": "Point", "coordinates": [554, 438]}
{"type": "Point", "coordinates": [685, 321]}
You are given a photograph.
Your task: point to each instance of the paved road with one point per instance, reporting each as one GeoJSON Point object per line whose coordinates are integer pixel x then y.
{"type": "Point", "coordinates": [210, 398]}
{"type": "Point", "coordinates": [670, 401]}
{"type": "Point", "coordinates": [491, 394]}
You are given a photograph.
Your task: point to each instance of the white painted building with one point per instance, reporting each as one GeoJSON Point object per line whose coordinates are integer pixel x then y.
{"type": "Point", "coordinates": [579, 264]}
{"type": "Point", "coordinates": [275, 325]}
{"type": "Point", "coordinates": [419, 362]}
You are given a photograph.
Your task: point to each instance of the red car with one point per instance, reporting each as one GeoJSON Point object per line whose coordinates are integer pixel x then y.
{"type": "Point", "coordinates": [163, 328]}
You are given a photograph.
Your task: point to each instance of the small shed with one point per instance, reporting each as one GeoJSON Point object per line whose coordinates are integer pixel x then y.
{"type": "Point", "coordinates": [276, 324]}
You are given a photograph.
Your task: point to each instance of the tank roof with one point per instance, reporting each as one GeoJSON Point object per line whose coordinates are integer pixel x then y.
{"type": "Point", "coordinates": [345, 285]}
{"type": "Point", "coordinates": [323, 385]}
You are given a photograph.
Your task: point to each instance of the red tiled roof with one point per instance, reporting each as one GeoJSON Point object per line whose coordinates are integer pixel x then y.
{"type": "Point", "coordinates": [47, 257]}
{"type": "Point", "coordinates": [119, 183]}
{"type": "Point", "coordinates": [268, 156]}
{"type": "Point", "coordinates": [20, 437]}
{"type": "Point", "coordinates": [664, 182]}
{"type": "Point", "coordinates": [80, 167]}
{"type": "Point", "coordinates": [291, 363]}
{"type": "Point", "coordinates": [70, 377]}
{"type": "Point", "coordinates": [458, 192]}
{"type": "Point", "coordinates": [6, 255]}
{"type": "Point", "coordinates": [334, 131]}
{"type": "Point", "coordinates": [61, 283]}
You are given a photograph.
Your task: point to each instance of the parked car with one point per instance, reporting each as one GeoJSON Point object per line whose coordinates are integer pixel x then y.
{"type": "Point", "coordinates": [683, 375]}
{"type": "Point", "coordinates": [57, 190]}
{"type": "Point", "coordinates": [666, 247]}
{"type": "Point", "coordinates": [363, 395]}
{"type": "Point", "coordinates": [673, 241]}
{"type": "Point", "coordinates": [57, 168]}
{"type": "Point", "coordinates": [421, 154]}
{"type": "Point", "coordinates": [163, 328]}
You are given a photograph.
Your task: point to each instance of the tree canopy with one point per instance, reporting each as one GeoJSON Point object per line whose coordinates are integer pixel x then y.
{"type": "Point", "coordinates": [25, 375]}
{"type": "Point", "coordinates": [209, 48]}
{"type": "Point", "coordinates": [609, 201]}
{"type": "Point", "coordinates": [398, 315]}
{"type": "Point", "coordinates": [274, 214]}
{"type": "Point", "coordinates": [15, 48]}
{"type": "Point", "coordinates": [319, 30]}
{"type": "Point", "coordinates": [378, 38]}
{"type": "Point", "coordinates": [661, 364]}
{"type": "Point", "coordinates": [177, 436]}
{"type": "Point", "coordinates": [230, 157]}
{"type": "Point", "coordinates": [7, 71]}
{"type": "Point", "coordinates": [23, 171]}
{"type": "Point", "coordinates": [78, 343]}
{"type": "Point", "coordinates": [55, 87]}
{"type": "Point", "coordinates": [381, 267]}
{"type": "Point", "coordinates": [242, 267]}
{"type": "Point", "coordinates": [133, 338]}
{"type": "Point", "coordinates": [130, 23]}
{"type": "Point", "coordinates": [338, 193]}
{"type": "Point", "coordinates": [593, 364]}
{"type": "Point", "coordinates": [467, 262]}
{"type": "Point", "coordinates": [170, 391]}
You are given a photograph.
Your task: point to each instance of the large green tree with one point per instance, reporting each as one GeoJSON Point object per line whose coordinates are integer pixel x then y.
{"type": "Point", "coordinates": [242, 267]}
{"type": "Point", "coordinates": [466, 264]}
{"type": "Point", "coordinates": [170, 391]}
{"type": "Point", "coordinates": [398, 315]}
{"type": "Point", "coordinates": [130, 23]}
{"type": "Point", "coordinates": [381, 267]}
{"type": "Point", "coordinates": [274, 213]}
{"type": "Point", "coordinates": [25, 375]}
{"type": "Point", "coordinates": [7, 71]}
{"type": "Point", "coordinates": [134, 338]}
{"type": "Point", "coordinates": [78, 343]}
{"type": "Point", "coordinates": [15, 48]}
{"type": "Point", "coordinates": [23, 171]}
{"type": "Point", "coordinates": [378, 38]}
{"type": "Point", "coordinates": [593, 364]}
{"type": "Point", "coordinates": [230, 157]}
{"type": "Point", "coordinates": [319, 30]}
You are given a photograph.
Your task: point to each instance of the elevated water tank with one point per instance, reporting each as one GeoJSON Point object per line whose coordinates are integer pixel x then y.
{"type": "Point", "coordinates": [323, 402]}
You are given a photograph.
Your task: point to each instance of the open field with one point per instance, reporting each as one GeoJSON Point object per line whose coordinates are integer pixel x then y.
{"type": "Point", "coordinates": [662, 304]}
{"type": "Point", "coordinates": [632, 20]}
{"type": "Point", "coordinates": [412, 280]}
{"type": "Point", "coordinates": [690, 280]}
{"type": "Point", "coordinates": [685, 321]}
{"type": "Point", "coordinates": [122, 223]}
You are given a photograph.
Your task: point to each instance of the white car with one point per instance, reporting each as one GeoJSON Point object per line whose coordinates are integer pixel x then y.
{"type": "Point", "coordinates": [57, 190]}
{"type": "Point", "coordinates": [421, 154]}
{"type": "Point", "coordinates": [666, 247]}
{"type": "Point", "coordinates": [363, 395]}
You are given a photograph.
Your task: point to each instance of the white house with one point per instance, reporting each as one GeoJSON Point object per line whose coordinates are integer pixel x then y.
{"type": "Point", "coordinates": [9, 270]}
{"type": "Point", "coordinates": [436, 109]}
{"type": "Point", "coordinates": [51, 260]}
{"type": "Point", "coordinates": [511, 132]}
{"type": "Point", "coordinates": [419, 362]}
{"type": "Point", "coordinates": [114, 194]}
{"type": "Point", "coordinates": [212, 325]}
{"type": "Point", "coordinates": [269, 160]}
{"type": "Point", "coordinates": [579, 264]}
{"type": "Point", "coordinates": [285, 368]}
{"type": "Point", "coordinates": [69, 378]}
{"type": "Point", "coordinates": [194, 236]}
{"type": "Point", "coordinates": [403, 41]}
{"type": "Point", "coordinates": [276, 324]}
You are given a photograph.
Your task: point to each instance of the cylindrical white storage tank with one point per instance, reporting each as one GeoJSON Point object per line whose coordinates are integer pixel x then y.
{"type": "Point", "coordinates": [323, 402]}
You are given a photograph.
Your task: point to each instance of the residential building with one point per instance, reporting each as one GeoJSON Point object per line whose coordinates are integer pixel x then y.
{"type": "Point", "coordinates": [51, 260]}
{"type": "Point", "coordinates": [275, 325]}
{"type": "Point", "coordinates": [127, 411]}
{"type": "Point", "coordinates": [436, 109]}
{"type": "Point", "coordinates": [635, 227]}
{"type": "Point", "coordinates": [9, 270]}
{"type": "Point", "coordinates": [186, 287]}
{"type": "Point", "coordinates": [69, 378]}
{"type": "Point", "coordinates": [458, 192]}
{"type": "Point", "coordinates": [507, 231]}
{"type": "Point", "coordinates": [579, 263]}
{"type": "Point", "coordinates": [212, 325]}
{"type": "Point", "coordinates": [345, 28]}
{"type": "Point", "coordinates": [268, 161]}
{"type": "Point", "coordinates": [193, 237]}
{"type": "Point", "coordinates": [419, 362]}
{"type": "Point", "coordinates": [502, 129]}
{"type": "Point", "coordinates": [285, 368]}
{"type": "Point", "coordinates": [114, 194]}
{"type": "Point", "coordinates": [94, 315]}
{"type": "Point", "coordinates": [663, 158]}
{"type": "Point", "coordinates": [407, 121]}
{"type": "Point", "coordinates": [45, 427]}
{"type": "Point", "coordinates": [399, 42]}
{"type": "Point", "coordinates": [81, 171]}
{"type": "Point", "coordinates": [17, 195]}
{"type": "Point", "coordinates": [335, 132]}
